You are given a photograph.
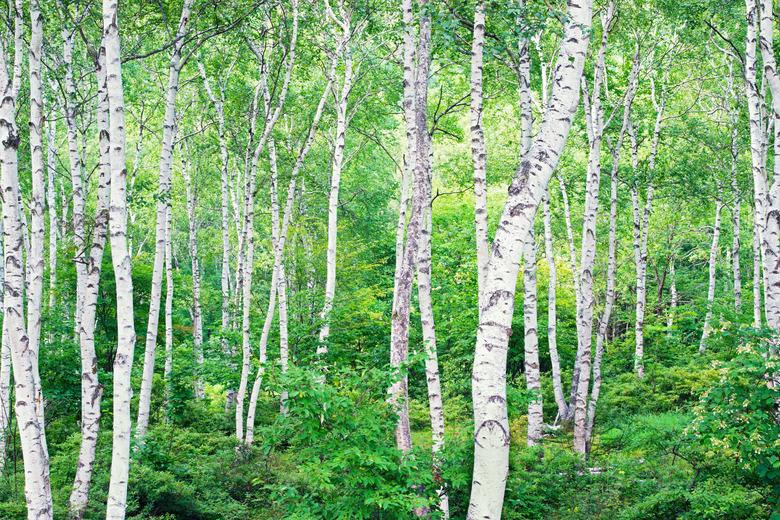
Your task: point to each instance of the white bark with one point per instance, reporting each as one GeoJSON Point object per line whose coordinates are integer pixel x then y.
{"type": "Point", "coordinates": [707, 328]}
{"type": "Point", "coordinates": [758, 140]}
{"type": "Point", "coordinates": [197, 315]}
{"type": "Point", "coordinates": [219, 106]}
{"type": "Point", "coordinates": [77, 181]}
{"type": "Point", "coordinates": [612, 254]}
{"type": "Point", "coordinates": [491, 425]}
{"type": "Point", "coordinates": [770, 224]}
{"type": "Point", "coordinates": [247, 267]}
{"type": "Point", "coordinates": [672, 298]}
{"type": "Point", "coordinates": [418, 150]}
{"type": "Point", "coordinates": [51, 203]}
{"type": "Point", "coordinates": [737, 204]}
{"type": "Point", "coordinates": [335, 177]}
{"type": "Point", "coordinates": [594, 113]}
{"type": "Point", "coordinates": [123, 362]}
{"type": "Point", "coordinates": [278, 270]}
{"type": "Point", "coordinates": [552, 318]}
{"type": "Point", "coordinates": [478, 151]}
{"type": "Point", "coordinates": [168, 368]}
{"type": "Point", "coordinates": [163, 208]}
{"type": "Point", "coordinates": [91, 389]}
{"type": "Point", "coordinates": [29, 411]}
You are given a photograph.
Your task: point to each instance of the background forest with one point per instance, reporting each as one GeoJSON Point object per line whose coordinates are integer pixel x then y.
{"type": "Point", "coordinates": [310, 185]}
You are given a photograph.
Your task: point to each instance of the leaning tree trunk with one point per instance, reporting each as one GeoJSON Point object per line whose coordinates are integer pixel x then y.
{"type": "Point", "coordinates": [123, 362]}
{"type": "Point", "coordinates": [51, 203]}
{"type": "Point", "coordinates": [491, 424]}
{"type": "Point", "coordinates": [219, 106]}
{"type": "Point", "coordinates": [29, 412]}
{"type": "Point", "coordinates": [163, 208]}
{"type": "Point", "coordinates": [91, 389]}
{"type": "Point", "coordinates": [280, 246]}
{"type": "Point", "coordinates": [707, 328]}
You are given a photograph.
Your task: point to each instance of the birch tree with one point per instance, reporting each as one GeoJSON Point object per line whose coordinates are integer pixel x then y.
{"type": "Point", "coordinates": [610, 296]}
{"type": "Point", "coordinates": [123, 362]}
{"type": "Point", "coordinates": [418, 152]}
{"type": "Point", "coordinates": [707, 327]}
{"type": "Point", "coordinates": [91, 389]}
{"type": "Point", "coordinates": [29, 408]}
{"type": "Point", "coordinates": [163, 209]}
{"type": "Point", "coordinates": [271, 117]}
{"type": "Point", "coordinates": [344, 21]}
{"type": "Point", "coordinates": [197, 314]}
{"type": "Point", "coordinates": [491, 425]}
{"type": "Point", "coordinates": [594, 117]}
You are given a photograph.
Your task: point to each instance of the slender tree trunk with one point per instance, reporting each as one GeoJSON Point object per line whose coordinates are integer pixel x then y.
{"type": "Point", "coordinates": [707, 328]}
{"type": "Point", "coordinates": [758, 140]}
{"type": "Point", "coordinates": [77, 181]}
{"type": "Point", "coordinates": [399, 339]}
{"type": "Point", "coordinates": [737, 205]}
{"type": "Point", "coordinates": [770, 226]}
{"type": "Point", "coordinates": [672, 299]}
{"type": "Point", "coordinates": [163, 208]}
{"type": "Point", "coordinates": [594, 113]}
{"type": "Point", "coordinates": [123, 362]}
{"type": "Point", "coordinates": [552, 331]}
{"type": "Point", "coordinates": [612, 254]}
{"type": "Point", "coordinates": [271, 116]}
{"type": "Point", "coordinates": [641, 224]}
{"type": "Point", "coordinates": [29, 411]}
{"type": "Point", "coordinates": [168, 369]}
{"type": "Point", "coordinates": [335, 181]}
{"type": "Point", "coordinates": [51, 203]}
{"type": "Point", "coordinates": [491, 424]}
{"type": "Point", "coordinates": [91, 389]}
{"type": "Point", "coordinates": [219, 106]}
{"type": "Point", "coordinates": [197, 315]}
{"type": "Point", "coordinates": [478, 151]}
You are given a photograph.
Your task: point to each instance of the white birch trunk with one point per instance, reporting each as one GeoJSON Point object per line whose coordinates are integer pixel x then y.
{"type": "Point", "coordinates": [335, 180]}
{"type": "Point", "coordinates": [770, 224]}
{"type": "Point", "coordinates": [168, 368]}
{"type": "Point", "coordinates": [612, 254]}
{"type": "Point", "coordinates": [163, 208]}
{"type": "Point", "coordinates": [219, 106]}
{"type": "Point", "coordinates": [271, 116]}
{"type": "Point", "coordinates": [594, 113]}
{"type": "Point", "coordinates": [758, 139]}
{"type": "Point", "coordinates": [399, 336]}
{"type": "Point", "coordinates": [491, 424]}
{"type": "Point", "coordinates": [197, 314]}
{"type": "Point", "coordinates": [707, 328]}
{"type": "Point", "coordinates": [51, 203]}
{"type": "Point", "coordinates": [91, 389]}
{"type": "Point", "coordinates": [29, 411]}
{"type": "Point", "coordinates": [77, 181]}
{"type": "Point", "coordinates": [672, 298]}
{"type": "Point", "coordinates": [478, 151]}
{"type": "Point", "coordinates": [123, 362]}
{"type": "Point", "coordinates": [552, 318]}
{"type": "Point", "coordinates": [279, 250]}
